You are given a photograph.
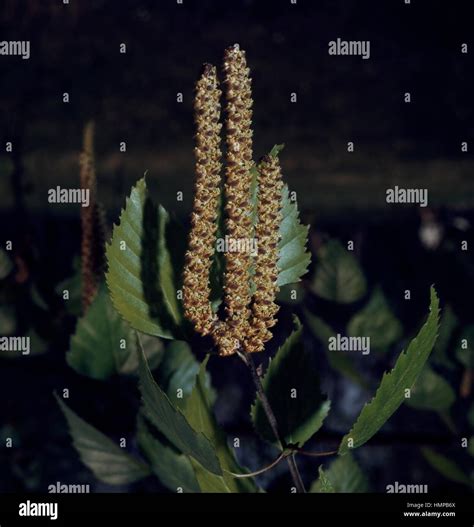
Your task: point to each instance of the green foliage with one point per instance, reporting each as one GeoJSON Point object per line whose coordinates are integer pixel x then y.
{"type": "Point", "coordinates": [107, 460]}
{"type": "Point", "coordinates": [431, 392]}
{"type": "Point", "coordinates": [172, 468]}
{"type": "Point", "coordinates": [322, 484]}
{"type": "Point", "coordinates": [445, 466]}
{"type": "Point", "coordinates": [173, 424]}
{"type": "Point", "coordinates": [198, 411]}
{"type": "Point", "coordinates": [377, 321]}
{"type": "Point", "coordinates": [293, 257]}
{"type": "Point", "coordinates": [343, 475]}
{"type": "Point", "coordinates": [291, 385]}
{"type": "Point", "coordinates": [140, 274]}
{"type": "Point", "coordinates": [177, 371]}
{"type": "Point", "coordinates": [340, 361]}
{"type": "Point", "coordinates": [338, 276]}
{"type": "Point", "coordinates": [104, 344]}
{"type": "Point", "coordinates": [391, 392]}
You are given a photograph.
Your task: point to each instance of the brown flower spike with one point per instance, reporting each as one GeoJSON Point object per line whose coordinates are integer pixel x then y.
{"type": "Point", "coordinates": [267, 233]}
{"type": "Point", "coordinates": [198, 259]}
{"type": "Point", "coordinates": [248, 319]}
{"type": "Point", "coordinates": [237, 188]}
{"type": "Point", "coordinates": [92, 222]}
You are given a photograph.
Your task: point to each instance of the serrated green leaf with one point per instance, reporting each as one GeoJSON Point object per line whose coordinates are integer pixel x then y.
{"type": "Point", "coordinates": [431, 392]}
{"type": "Point", "coordinates": [293, 257]}
{"type": "Point", "coordinates": [291, 385]}
{"type": "Point", "coordinates": [391, 392]}
{"type": "Point", "coordinates": [449, 469]}
{"type": "Point", "coordinates": [337, 276]}
{"type": "Point", "coordinates": [340, 361]}
{"type": "Point", "coordinates": [140, 274]}
{"type": "Point", "coordinates": [377, 321]}
{"type": "Point", "coordinates": [210, 483]}
{"type": "Point", "coordinates": [343, 475]}
{"type": "Point", "coordinates": [322, 484]}
{"type": "Point", "coordinates": [173, 424]}
{"type": "Point", "coordinates": [109, 463]}
{"type": "Point", "coordinates": [197, 409]}
{"type": "Point", "coordinates": [172, 468]}
{"type": "Point", "coordinates": [104, 344]}
{"type": "Point", "coordinates": [178, 371]}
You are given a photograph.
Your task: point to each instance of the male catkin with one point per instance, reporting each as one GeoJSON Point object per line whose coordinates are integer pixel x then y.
{"type": "Point", "coordinates": [247, 320]}
{"type": "Point", "coordinates": [267, 232]}
{"type": "Point", "coordinates": [92, 222]}
{"type": "Point", "coordinates": [202, 237]}
{"type": "Point", "coordinates": [237, 188]}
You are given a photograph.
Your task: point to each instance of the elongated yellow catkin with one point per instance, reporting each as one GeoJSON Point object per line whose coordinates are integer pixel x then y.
{"type": "Point", "coordinates": [237, 189]}
{"type": "Point", "coordinates": [92, 222]}
{"type": "Point", "coordinates": [264, 307]}
{"type": "Point", "coordinates": [202, 237]}
{"type": "Point", "coordinates": [247, 322]}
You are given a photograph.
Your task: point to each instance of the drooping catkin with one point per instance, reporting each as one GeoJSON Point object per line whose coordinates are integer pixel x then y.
{"type": "Point", "coordinates": [92, 222]}
{"type": "Point", "coordinates": [237, 188]}
{"type": "Point", "coordinates": [202, 237]}
{"type": "Point", "coordinates": [264, 307]}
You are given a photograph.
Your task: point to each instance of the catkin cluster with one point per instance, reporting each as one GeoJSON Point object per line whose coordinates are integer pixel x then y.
{"type": "Point", "coordinates": [247, 317]}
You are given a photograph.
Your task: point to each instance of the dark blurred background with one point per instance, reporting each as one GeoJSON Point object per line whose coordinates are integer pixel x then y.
{"type": "Point", "coordinates": [132, 97]}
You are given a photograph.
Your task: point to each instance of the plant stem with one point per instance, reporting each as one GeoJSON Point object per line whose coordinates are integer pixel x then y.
{"type": "Point", "coordinates": [260, 471]}
{"type": "Point", "coordinates": [290, 459]}
{"type": "Point", "coordinates": [295, 473]}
